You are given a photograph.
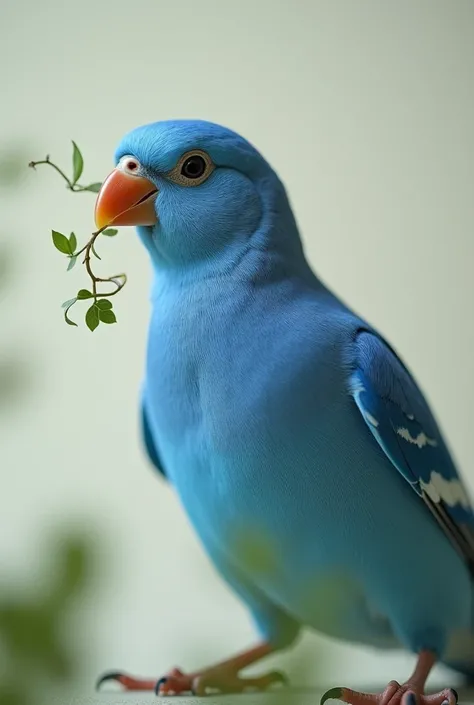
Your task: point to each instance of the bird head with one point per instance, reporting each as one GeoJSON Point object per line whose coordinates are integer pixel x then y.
{"type": "Point", "coordinates": [197, 192]}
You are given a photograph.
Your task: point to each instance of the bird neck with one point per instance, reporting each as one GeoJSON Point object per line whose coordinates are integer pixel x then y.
{"type": "Point", "coordinates": [274, 251]}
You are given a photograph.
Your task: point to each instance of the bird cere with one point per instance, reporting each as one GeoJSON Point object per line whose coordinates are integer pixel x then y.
{"type": "Point", "coordinates": [312, 412]}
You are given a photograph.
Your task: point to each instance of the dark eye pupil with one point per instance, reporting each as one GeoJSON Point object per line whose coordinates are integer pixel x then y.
{"type": "Point", "coordinates": [194, 167]}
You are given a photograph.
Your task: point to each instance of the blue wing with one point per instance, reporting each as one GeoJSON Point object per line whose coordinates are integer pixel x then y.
{"type": "Point", "coordinates": [400, 419]}
{"type": "Point", "coordinates": [150, 445]}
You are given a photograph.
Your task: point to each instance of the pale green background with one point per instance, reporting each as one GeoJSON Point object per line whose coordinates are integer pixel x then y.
{"type": "Point", "coordinates": [366, 109]}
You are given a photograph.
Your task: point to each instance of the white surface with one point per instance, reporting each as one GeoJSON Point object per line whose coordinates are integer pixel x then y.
{"type": "Point", "coordinates": [306, 698]}
{"type": "Point", "coordinates": [366, 110]}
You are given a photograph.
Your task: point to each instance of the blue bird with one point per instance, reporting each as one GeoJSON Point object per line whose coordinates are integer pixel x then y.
{"type": "Point", "coordinates": [286, 424]}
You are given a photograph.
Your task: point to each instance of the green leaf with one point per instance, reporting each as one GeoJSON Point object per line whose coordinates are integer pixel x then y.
{"type": "Point", "coordinates": [119, 280]}
{"type": "Point", "coordinates": [107, 316]}
{"type": "Point", "coordinates": [94, 251]}
{"type": "Point", "coordinates": [110, 232]}
{"type": "Point", "coordinates": [84, 294]}
{"type": "Point", "coordinates": [73, 241]}
{"type": "Point", "coordinates": [71, 264]}
{"type": "Point", "coordinates": [77, 163]}
{"type": "Point", "coordinates": [95, 188]}
{"type": "Point", "coordinates": [92, 317]}
{"type": "Point", "coordinates": [68, 320]}
{"type": "Point", "coordinates": [104, 304]}
{"type": "Point", "coordinates": [61, 242]}
{"type": "Point", "coordinates": [67, 305]}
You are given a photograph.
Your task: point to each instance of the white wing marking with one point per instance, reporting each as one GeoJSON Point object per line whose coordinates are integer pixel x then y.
{"type": "Point", "coordinates": [421, 440]}
{"type": "Point", "coordinates": [451, 492]}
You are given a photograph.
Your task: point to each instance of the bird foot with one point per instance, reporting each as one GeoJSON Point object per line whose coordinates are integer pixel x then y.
{"type": "Point", "coordinates": [127, 682]}
{"type": "Point", "coordinates": [219, 678]}
{"type": "Point", "coordinates": [394, 694]}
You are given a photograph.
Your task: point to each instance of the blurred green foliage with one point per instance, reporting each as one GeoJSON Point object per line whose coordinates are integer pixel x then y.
{"type": "Point", "coordinates": [13, 374]}
{"type": "Point", "coordinates": [258, 554]}
{"type": "Point", "coordinates": [37, 651]}
{"type": "Point", "coordinates": [12, 165]}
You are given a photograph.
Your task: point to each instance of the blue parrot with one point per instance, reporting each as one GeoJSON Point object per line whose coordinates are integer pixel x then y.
{"type": "Point", "coordinates": [286, 424]}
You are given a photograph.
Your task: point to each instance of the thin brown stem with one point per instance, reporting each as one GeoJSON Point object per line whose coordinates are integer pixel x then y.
{"type": "Point", "coordinates": [87, 261]}
{"type": "Point", "coordinates": [95, 280]}
{"type": "Point", "coordinates": [119, 286]}
{"type": "Point", "coordinates": [71, 186]}
{"type": "Point", "coordinates": [79, 252]}
{"type": "Point", "coordinates": [33, 165]}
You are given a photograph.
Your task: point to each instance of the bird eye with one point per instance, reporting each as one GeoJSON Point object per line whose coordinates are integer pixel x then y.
{"type": "Point", "coordinates": [129, 165]}
{"type": "Point", "coordinates": [192, 169]}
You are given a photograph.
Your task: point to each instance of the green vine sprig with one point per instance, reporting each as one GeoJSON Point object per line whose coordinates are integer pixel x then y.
{"type": "Point", "coordinates": [100, 310]}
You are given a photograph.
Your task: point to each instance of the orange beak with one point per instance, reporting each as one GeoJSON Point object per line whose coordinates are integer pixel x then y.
{"type": "Point", "coordinates": [125, 199]}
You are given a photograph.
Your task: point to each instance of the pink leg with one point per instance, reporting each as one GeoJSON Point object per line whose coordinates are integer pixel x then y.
{"type": "Point", "coordinates": [410, 693]}
{"type": "Point", "coordinates": [223, 677]}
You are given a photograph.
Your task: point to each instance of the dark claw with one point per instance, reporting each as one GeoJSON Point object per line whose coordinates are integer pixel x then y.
{"type": "Point", "coordinates": [158, 684]}
{"type": "Point", "coordinates": [109, 676]}
{"type": "Point", "coordinates": [455, 693]}
{"type": "Point", "coordinates": [332, 694]}
{"type": "Point", "coordinates": [411, 699]}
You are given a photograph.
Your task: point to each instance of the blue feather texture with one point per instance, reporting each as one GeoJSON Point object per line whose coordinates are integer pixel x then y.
{"type": "Point", "coordinates": [402, 423]}
{"type": "Point", "coordinates": [278, 413]}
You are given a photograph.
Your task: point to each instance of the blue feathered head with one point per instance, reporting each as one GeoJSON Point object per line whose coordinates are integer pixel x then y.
{"type": "Point", "coordinates": [198, 192]}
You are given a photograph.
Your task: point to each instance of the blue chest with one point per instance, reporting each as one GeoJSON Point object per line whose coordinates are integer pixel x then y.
{"type": "Point", "coordinates": [236, 385]}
